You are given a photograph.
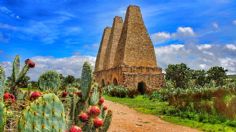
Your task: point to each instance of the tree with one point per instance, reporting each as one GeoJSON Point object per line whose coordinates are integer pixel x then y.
{"type": "Point", "coordinates": [217, 74]}
{"type": "Point", "coordinates": [69, 79]}
{"type": "Point", "coordinates": [179, 74]}
{"type": "Point", "coordinates": [200, 77]}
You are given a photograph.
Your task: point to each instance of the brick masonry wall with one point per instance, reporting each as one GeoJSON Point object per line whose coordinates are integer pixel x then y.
{"type": "Point", "coordinates": [134, 58]}
{"type": "Point", "coordinates": [102, 49]}
{"type": "Point", "coordinates": [113, 42]}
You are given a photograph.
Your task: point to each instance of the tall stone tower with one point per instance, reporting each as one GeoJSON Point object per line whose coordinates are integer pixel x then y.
{"type": "Point", "coordinates": [113, 42]}
{"type": "Point", "coordinates": [102, 49]}
{"type": "Point", "coordinates": [127, 56]}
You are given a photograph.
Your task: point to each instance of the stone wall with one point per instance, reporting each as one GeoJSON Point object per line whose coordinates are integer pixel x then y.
{"type": "Point", "coordinates": [113, 42]}
{"type": "Point", "coordinates": [135, 47]}
{"type": "Point", "coordinates": [126, 55]}
{"type": "Point", "coordinates": [102, 49]}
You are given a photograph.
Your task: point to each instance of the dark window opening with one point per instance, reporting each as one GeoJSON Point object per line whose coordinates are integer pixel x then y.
{"type": "Point", "coordinates": [141, 87]}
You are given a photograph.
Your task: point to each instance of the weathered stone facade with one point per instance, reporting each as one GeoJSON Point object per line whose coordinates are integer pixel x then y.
{"type": "Point", "coordinates": [127, 57]}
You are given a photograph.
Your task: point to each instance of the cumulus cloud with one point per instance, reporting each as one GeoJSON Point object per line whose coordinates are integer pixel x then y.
{"type": "Point", "coordinates": [160, 37]}
{"type": "Point", "coordinates": [66, 66]}
{"type": "Point", "coordinates": [231, 47]}
{"type": "Point", "coordinates": [197, 56]}
{"type": "Point", "coordinates": [204, 46]}
{"type": "Point", "coordinates": [182, 33]}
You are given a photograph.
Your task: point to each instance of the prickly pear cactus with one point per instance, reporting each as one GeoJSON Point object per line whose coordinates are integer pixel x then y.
{"type": "Point", "coordinates": [93, 100]}
{"type": "Point", "coordinates": [49, 80]}
{"type": "Point", "coordinates": [86, 80]}
{"type": "Point", "coordinates": [17, 74]}
{"type": "Point", "coordinates": [2, 81]}
{"type": "Point", "coordinates": [46, 114]}
{"type": "Point", "coordinates": [107, 122]}
{"type": "Point", "coordinates": [15, 68]}
{"type": "Point", "coordinates": [2, 116]}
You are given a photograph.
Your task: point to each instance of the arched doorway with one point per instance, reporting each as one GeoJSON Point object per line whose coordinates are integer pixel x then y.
{"type": "Point", "coordinates": [141, 87]}
{"type": "Point", "coordinates": [115, 82]}
{"type": "Point", "coordinates": [103, 83]}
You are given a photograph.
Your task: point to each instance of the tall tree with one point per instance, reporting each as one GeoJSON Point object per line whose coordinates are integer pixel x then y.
{"type": "Point", "coordinates": [179, 74]}
{"type": "Point", "coordinates": [217, 74]}
{"type": "Point", "coordinates": [200, 77]}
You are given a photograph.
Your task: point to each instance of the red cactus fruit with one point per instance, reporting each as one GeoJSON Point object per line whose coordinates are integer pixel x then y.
{"type": "Point", "coordinates": [79, 94]}
{"type": "Point", "coordinates": [83, 117]}
{"type": "Point", "coordinates": [75, 129]}
{"type": "Point", "coordinates": [64, 94]}
{"type": "Point", "coordinates": [97, 122]}
{"type": "Point", "coordinates": [101, 101]}
{"type": "Point", "coordinates": [35, 95]}
{"type": "Point", "coordinates": [94, 111]}
{"type": "Point", "coordinates": [30, 63]}
{"type": "Point", "coordinates": [9, 98]}
{"type": "Point", "coordinates": [105, 107]}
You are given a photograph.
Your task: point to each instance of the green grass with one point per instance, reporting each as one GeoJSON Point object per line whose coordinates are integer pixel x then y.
{"type": "Point", "coordinates": [144, 105]}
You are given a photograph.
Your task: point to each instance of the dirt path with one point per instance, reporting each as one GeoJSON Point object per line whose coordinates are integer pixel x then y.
{"type": "Point", "coordinates": [126, 119]}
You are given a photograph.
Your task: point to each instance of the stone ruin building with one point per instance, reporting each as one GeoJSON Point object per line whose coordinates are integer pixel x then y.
{"type": "Point", "coordinates": [126, 55]}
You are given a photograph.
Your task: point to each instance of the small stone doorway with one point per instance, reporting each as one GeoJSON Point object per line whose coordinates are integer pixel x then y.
{"type": "Point", "coordinates": [141, 88]}
{"type": "Point", "coordinates": [103, 83]}
{"type": "Point", "coordinates": [115, 82]}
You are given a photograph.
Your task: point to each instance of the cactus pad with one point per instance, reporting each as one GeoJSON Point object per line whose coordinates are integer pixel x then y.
{"type": "Point", "coordinates": [46, 114]}
{"type": "Point", "coordinates": [86, 80]}
{"type": "Point", "coordinates": [2, 116]}
{"type": "Point", "coordinates": [2, 81]}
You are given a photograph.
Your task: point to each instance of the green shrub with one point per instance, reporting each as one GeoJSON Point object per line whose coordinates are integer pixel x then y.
{"type": "Point", "coordinates": [116, 91]}
{"type": "Point", "coordinates": [49, 80]}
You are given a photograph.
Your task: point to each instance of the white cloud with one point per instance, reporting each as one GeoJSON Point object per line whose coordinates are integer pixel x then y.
{"type": "Point", "coordinates": [234, 22]}
{"type": "Point", "coordinates": [67, 65]}
{"type": "Point", "coordinates": [204, 46]}
{"type": "Point", "coordinates": [230, 46]}
{"type": "Point", "coordinates": [229, 63]}
{"type": "Point", "coordinates": [197, 56]}
{"type": "Point", "coordinates": [203, 66]}
{"type": "Point", "coordinates": [215, 25]}
{"type": "Point", "coordinates": [182, 33]}
{"type": "Point", "coordinates": [160, 37]}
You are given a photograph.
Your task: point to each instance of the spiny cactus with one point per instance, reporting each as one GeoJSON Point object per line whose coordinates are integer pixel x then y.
{"type": "Point", "coordinates": [107, 122]}
{"type": "Point", "coordinates": [2, 116]}
{"type": "Point", "coordinates": [49, 80]}
{"type": "Point", "coordinates": [44, 114]}
{"type": "Point", "coordinates": [17, 75]}
{"type": "Point", "coordinates": [86, 81]}
{"type": "Point", "coordinates": [2, 82]}
{"type": "Point", "coordinates": [89, 111]}
{"type": "Point", "coordinates": [93, 100]}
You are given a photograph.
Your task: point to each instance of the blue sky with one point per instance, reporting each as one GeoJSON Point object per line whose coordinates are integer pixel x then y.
{"type": "Point", "coordinates": [63, 29]}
